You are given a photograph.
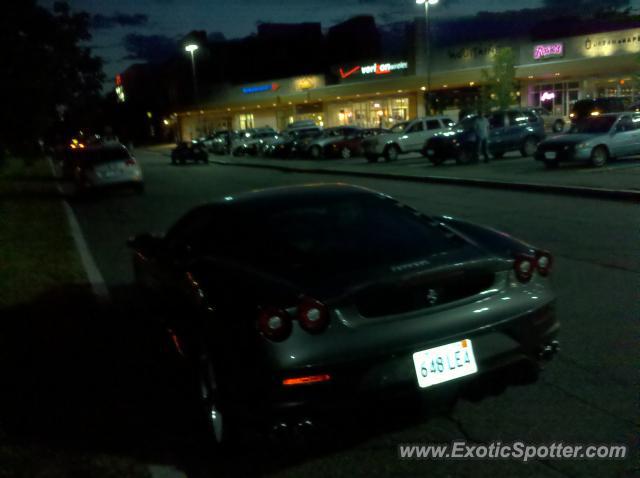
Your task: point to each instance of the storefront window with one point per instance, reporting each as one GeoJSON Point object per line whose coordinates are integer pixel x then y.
{"type": "Point", "coordinates": [246, 121]}
{"type": "Point", "coordinates": [556, 98]}
{"type": "Point", "coordinates": [384, 112]}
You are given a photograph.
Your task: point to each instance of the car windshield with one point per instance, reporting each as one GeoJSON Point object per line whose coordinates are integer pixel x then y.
{"type": "Point", "coordinates": [592, 125]}
{"type": "Point", "coordinates": [101, 155]}
{"type": "Point", "coordinates": [332, 236]}
{"type": "Point", "coordinates": [400, 127]}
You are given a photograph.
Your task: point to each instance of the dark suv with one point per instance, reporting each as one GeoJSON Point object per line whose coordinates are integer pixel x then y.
{"type": "Point", "coordinates": [596, 106]}
{"type": "Point", "coordinates": [510, 130]}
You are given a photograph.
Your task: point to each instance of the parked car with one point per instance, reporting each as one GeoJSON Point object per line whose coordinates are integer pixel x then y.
{"type": "Point", "coordinates": [596, 106]}
{"type": "Point", "coordinates": [293, 143]}
{"type": "Point", "coordinates": [248, 142]}
{"type": "Point", "coordinates": [221, 143]}
{"type": "Point", "coordinates": [459, 142]}
{"type": "Point", "coordinates": [552, 122]}
{"type": "Point", "coordinates": [189, 151]}
{"type": "Point", "coordinates": [315, 147]}
{"type": "Point", "coordinates": [345, 295]}
{"type": "Point", "coordinates": [350, 144]}
{"type": "Point", "coordinates": [595, 139]}
{"type": "Point", "coordinates": [510, 130]}
{"type": "Point", "coordinates": [99, 166]}
{"type": "Point", "coordinates": [406, 137]}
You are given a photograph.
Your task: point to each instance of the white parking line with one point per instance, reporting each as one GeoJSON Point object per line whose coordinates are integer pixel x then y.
{"type": "Point", "coordinates": [94, 275]}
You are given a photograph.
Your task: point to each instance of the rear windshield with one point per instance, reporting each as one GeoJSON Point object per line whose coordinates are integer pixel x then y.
{"type": "Point", "coordinates": [341, 235]}
{"type": "Point", "coordinates": [101, 155]}
{"type": "Point", "coordinates": [592, 125]}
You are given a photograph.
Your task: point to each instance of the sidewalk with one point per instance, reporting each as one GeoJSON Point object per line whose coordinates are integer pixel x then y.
{"type": "Point", "coordinates": [619, 180]}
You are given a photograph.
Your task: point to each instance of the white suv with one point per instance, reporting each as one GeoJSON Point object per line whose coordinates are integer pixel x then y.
{"type": "Point", "coordinates": [406, 137]}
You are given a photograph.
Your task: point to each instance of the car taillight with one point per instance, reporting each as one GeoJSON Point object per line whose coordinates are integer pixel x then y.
{"type": "Point", "coordinates": [275, 324]}
{"type": "Point", "coordinates": [130, 162]}
{"type": "Point", "coordinates": [313, 315]}
{"type": "Point", "coordinates": [544, 262]}
{"type": "Point", "coordinates": [524, 266]}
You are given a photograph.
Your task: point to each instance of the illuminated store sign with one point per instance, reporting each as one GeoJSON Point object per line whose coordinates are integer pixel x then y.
{"type": "Point", "coordinates": [553, 50]}
{"type": "Point", "coordinates": [547, 96]}
{"type": "Point", "coordinates": [261, 88]}
{"type": "Point", "coordinates": [374, 69]}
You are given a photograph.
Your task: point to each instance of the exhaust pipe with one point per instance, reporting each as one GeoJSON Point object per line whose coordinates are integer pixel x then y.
{"type": "Point", "coordinates": [547, 352]}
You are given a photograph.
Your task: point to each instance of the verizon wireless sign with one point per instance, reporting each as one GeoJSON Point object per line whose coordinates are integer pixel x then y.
{"type": "Point", "coordinates": [373, 69]}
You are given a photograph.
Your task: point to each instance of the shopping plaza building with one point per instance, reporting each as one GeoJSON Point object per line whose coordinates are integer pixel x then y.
{"type": "Point", "coordinates": [384, 91]}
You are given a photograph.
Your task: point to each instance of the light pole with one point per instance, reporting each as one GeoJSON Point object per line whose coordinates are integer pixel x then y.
{"type": "Point", "coordinates": [191, 48]}
{"type": "Point", "coordinates": [428, 19]}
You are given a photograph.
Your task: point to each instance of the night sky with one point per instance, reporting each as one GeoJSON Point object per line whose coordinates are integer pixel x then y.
{"type": "Point", "coordinates": [126, 32]}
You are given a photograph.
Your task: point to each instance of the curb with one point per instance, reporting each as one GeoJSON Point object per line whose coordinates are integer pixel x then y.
{"type": "Point", "coordinates": [597, 193]}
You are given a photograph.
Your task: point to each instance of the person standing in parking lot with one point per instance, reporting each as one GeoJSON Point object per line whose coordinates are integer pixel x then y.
{"type": "Point", "coordinates": [482, 135]}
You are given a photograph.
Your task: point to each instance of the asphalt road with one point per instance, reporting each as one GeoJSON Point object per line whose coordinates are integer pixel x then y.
{"type": "Point", "coordinates": [588, 394]}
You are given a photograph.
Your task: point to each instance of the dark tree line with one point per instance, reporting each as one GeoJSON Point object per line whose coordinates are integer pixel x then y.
{"type": "Point", "coordinates": [48, 73]}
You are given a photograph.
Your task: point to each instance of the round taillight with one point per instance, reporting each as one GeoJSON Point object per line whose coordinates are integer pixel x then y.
{"type": "Point", "coordinates": [313, 316]}
{"type": "Point", "coordinates": [524, 267]}
{"type": "Point", "coordinates": [274, 324]}
{"type": "Point", "coordinates": [544, 261]}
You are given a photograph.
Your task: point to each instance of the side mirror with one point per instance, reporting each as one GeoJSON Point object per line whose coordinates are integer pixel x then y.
{"type": "Point", "coordinates": [145, 243]}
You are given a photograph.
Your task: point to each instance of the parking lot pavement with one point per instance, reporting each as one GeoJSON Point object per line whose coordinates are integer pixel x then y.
{"type": "Point", "coordinates": [621, 175]}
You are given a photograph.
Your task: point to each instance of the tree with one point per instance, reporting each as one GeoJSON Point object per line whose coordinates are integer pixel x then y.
{"type": "Point", "coordinates": [500, 86]}
{"type": "Point", "coordinates": [47, 70]}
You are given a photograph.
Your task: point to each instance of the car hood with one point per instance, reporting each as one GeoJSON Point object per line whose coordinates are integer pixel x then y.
{"type": "Point", "coordinates": [571, 139]}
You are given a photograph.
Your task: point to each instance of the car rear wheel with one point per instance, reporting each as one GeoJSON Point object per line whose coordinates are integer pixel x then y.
{"type": "Point", "coordinates": [315, 152]}
{"type": "Point", "coordinates": [436, 160]}
{"type": "Point", "coordinates": [558, 126]}
{"type": "Point", "coordinates": [599, 156]}
{"type": "Point", "coordinates": [210, 399]}
{"type": "Point", "coordinates": [529, 147]}
{"type": "Point", "coordinates": [345, 153]}
{"type": "Point", "coordinates": [391, 153]}
{"type": "Point", "coordinates": [464, 157]}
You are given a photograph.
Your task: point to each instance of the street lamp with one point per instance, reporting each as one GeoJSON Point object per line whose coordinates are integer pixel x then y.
{"type": "Point", "coordinates": [428, 18]}
{"type": "Point", "coordinates": [191, 48]}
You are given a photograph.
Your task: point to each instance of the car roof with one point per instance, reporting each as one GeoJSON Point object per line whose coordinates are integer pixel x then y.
{"type": "Point", "coordinates": [295, 195]}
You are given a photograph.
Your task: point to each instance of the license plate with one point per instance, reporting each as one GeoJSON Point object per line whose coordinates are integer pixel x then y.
{"type": "Point", "coordinates": [444, 363]}
{"type": "Point", "coordinates": [550, 155]}
{"type": "Point", "coordinates": [430, 152]}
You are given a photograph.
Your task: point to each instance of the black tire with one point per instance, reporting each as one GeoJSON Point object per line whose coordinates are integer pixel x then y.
{"type": "Point", "coordinates": [529, 147]}
{"type": "Point", "coordinates": [315, 152]}
{"type": "Point", "coordinates": [464, 157]}
{"type": "Point", "coordinates": [599, 156]}
{"type": "Point", "coordinates": [436, 160]}
{"type": "Point", "coordinates": [391, 153]}
{"type": "Point", "coordinates": [345, 153]}
{"type": "Point", "coordinates": [558, 126]}
{"type": "Point", "coordinates": [216, 425]}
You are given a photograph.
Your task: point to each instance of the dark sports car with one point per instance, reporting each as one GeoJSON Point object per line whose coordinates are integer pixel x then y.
{"type": "Point", "coordinates": [193, 151]}
{"type": "Point", "coordinates": [303, 298]}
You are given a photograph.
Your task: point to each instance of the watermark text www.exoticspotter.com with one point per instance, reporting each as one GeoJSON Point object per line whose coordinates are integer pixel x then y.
{"type": "Point", "coordinates": [520, 451]}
